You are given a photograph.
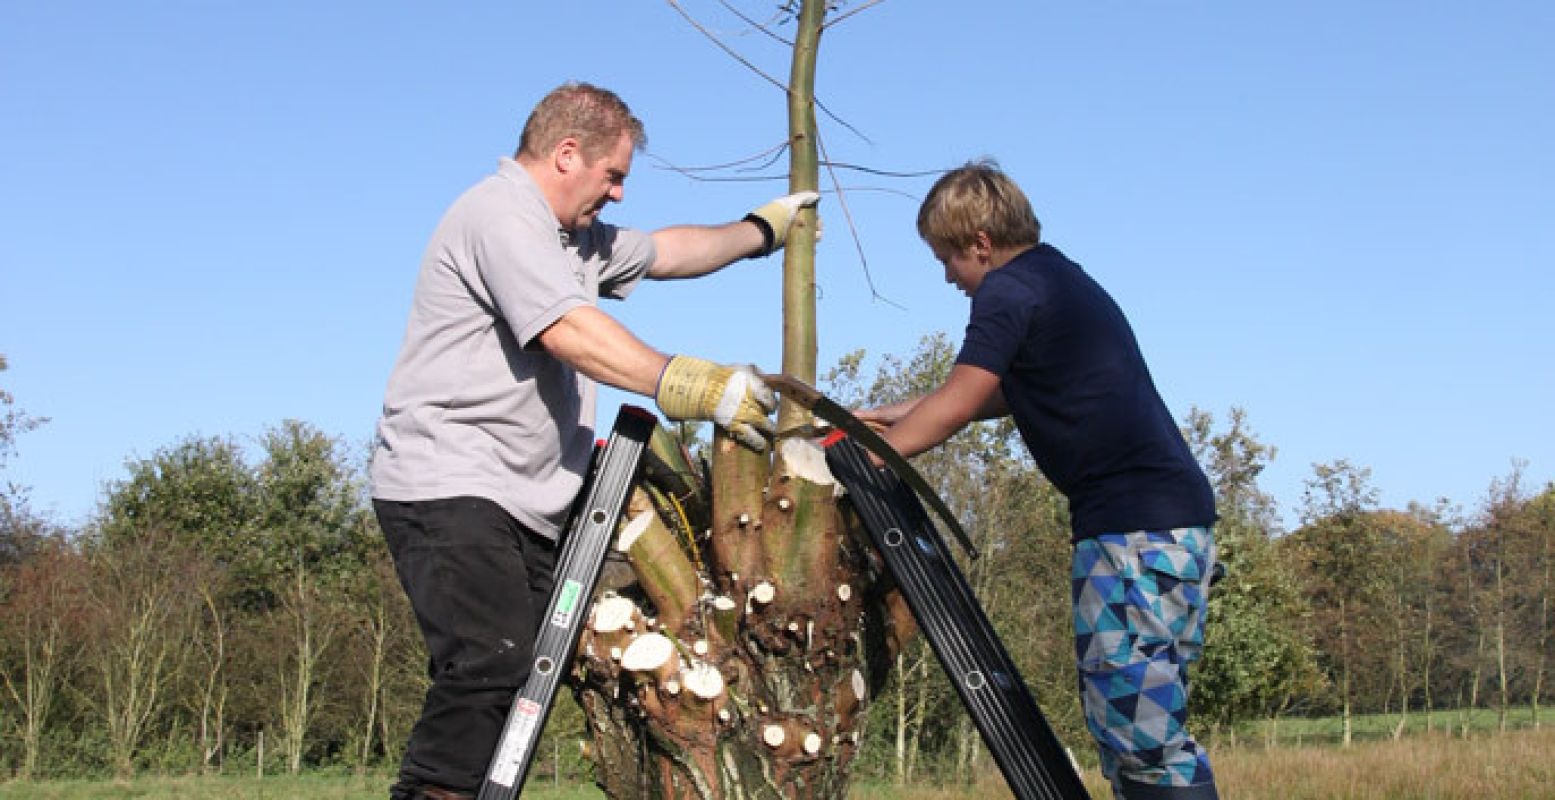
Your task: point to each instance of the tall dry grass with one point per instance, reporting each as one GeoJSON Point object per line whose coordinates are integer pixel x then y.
{"type": "Point", "coordinates": [1518, 765]}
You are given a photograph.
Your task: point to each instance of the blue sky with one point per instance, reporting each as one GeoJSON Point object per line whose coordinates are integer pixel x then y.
{"type": "Point", "coordinates": [1334, 215]}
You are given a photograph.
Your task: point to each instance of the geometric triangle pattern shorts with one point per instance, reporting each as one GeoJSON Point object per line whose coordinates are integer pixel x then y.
{"type": "Point", "coordinates": [1139, 600]}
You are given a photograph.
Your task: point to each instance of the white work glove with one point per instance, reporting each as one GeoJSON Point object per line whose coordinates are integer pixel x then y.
{"type": "Point", "coordinates": [733, 397]}
{"type": "Point", "coordinates": [775, 218]}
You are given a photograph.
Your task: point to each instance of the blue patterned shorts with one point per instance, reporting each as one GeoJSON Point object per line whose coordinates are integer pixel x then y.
{"type": "Point", "coordinates": [1139, 602]}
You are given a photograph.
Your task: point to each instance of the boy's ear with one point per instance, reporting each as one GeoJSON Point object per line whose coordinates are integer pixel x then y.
{"type": "Point", "coordinates": [982, 246]}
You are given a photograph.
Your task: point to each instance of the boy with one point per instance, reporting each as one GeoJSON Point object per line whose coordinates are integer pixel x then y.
{"type": "Point", "coordinates": [1047, 345]}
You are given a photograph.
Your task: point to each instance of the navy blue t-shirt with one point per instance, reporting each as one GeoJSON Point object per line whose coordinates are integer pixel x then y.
{"type": "Point", "coordinates": [1082, 397]}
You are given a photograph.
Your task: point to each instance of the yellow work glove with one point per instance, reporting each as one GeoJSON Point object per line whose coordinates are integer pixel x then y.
{"type": "Point", "coordinates": [775, 218]}
{"type": "Point", "coordinates": [733, 397]}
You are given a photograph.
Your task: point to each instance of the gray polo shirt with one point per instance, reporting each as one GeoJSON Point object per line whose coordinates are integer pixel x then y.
{"type": "Point", "coordinates": [474, 405]}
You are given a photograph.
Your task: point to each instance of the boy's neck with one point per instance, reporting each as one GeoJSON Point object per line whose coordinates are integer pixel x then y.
{"type": "Point", "coordinates": [1004, 255]}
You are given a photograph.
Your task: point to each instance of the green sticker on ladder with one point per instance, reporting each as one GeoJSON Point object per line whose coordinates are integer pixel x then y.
{"type": "Point", "coordinates": [566, 603]}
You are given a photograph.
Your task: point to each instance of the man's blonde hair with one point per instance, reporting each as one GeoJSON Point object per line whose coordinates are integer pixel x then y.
{"type": "Point", "coordinates": [595, 117]}
{"type": "Point", "coordinates": [977, 197]}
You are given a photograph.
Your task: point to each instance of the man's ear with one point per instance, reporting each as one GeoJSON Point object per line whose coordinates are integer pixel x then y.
{"type": "Point", "coordinates": [568, 155]}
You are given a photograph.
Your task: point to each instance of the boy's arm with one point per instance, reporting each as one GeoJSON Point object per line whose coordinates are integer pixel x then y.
{"type": "Point", "coordinates": [883, 417]}
{"type": "Point", "coordinates": [969, 393]}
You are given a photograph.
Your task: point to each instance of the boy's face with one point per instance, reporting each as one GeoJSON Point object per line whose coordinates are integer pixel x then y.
{"type": "Point", "coordinates": [965, 267]}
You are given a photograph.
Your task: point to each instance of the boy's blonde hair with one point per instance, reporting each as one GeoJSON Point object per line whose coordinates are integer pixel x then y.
{"type": "Point", "coordinates": [977, 197]}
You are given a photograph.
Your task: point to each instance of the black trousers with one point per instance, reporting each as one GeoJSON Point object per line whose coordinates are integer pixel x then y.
{"type": "Point", "coordinates": [478, 582]}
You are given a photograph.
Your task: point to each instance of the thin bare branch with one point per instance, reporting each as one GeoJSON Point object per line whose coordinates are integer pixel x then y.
{"type": "Point", "coordinates": [858, 244]}
{"type": "Point", "coordinates": [753, 23]}
{"type": "Point", "coordinates": [691, 173]}
{"type": "Point", "coordinates": [726, 48]}
{"type": "Point", "coordinates": [836, 20]}
{"type": "Point", "coordinates": [882, 172]}
{"type": "Point", "coordinates": [694, 175]}
{"type": "Point", "coordinates": [771, 154]}
{"type": "Point", "coordinates": [844, 123]}
{"type": "Point", "coordinates": [769, 162]}
{"type": "Point", "coordinates": [753, 68]}
{"type": "Point", "coordinates": [879, 189]}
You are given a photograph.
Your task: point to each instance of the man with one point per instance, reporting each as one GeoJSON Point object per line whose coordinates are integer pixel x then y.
{"type": "Point", "coordinates": [1048, 346]}
{"type": "Point", "coordinates": [488, 420]}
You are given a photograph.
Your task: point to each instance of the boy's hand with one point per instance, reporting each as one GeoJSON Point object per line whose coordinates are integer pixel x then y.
{"type": "Point", "coordinates": [733, 397]}
{"type": "Point", "coordinates": [775, 218]}
{"type": "Point", "coordinates": [883, 417]}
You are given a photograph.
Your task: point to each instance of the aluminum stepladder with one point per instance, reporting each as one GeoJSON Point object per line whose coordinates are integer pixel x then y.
{"type": "Point", "coordinates": [586, 543]}
{"type": "Point", "coordinates": [1028, 752]}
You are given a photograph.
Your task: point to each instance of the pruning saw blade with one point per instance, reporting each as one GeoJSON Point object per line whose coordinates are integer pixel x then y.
{"type": "Point", "coordinates": [828, 409]}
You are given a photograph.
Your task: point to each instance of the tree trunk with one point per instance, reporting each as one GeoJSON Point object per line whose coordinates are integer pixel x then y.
{"type": "Point", "coordinates": [1542, 662]}
{"type": "Point", "coordinates": [213, 694]}
{"type": "Point", "coordinates": [1429, 656]}
{"type": "Point", "coordinates": [39, 623]}
{"type": "Point", "coordinates": [1402, 636]}
{"type": "Point", "coordinates": [911, 701]}
{"type": "Point", "coordinates": [966, 749]}
{"type": "Point", "coordinates": [920, 709]}
{"type": "Point", "coordinates": [42, 643]}
{"type": "Point", "coordinates": [307, 619]}
{"type": "Point", "coordinates": [1548, 559]}
{"type": "Point", "coordinates": [1478, 675]}
{"type": "Point", "coordinates": [1501, 635]}
{"type": "Point", "coordinates": [741, 660]}
{"type": "Point", "coordinates": [755, 687]}
{"type": "Point", "coordinates": [901, 720]}
{"type": "Point", "coordinates": [1344, 671]}
{"type": "Point", "coordinates": [144, 622]}
{"type": "Point", "coordinates": [378, 623]}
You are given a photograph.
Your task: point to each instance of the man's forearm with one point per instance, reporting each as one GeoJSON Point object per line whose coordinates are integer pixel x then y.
{"type": "Point", "coordinates": [593, 343]}
{"type": "Point", "coordinates": [688, 251]}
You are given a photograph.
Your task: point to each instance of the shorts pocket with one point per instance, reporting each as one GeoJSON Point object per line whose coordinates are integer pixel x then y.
{"type": "Point", "coordinates": [1169, 592]}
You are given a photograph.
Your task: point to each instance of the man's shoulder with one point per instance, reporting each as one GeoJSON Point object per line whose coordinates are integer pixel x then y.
{"type": "Point", "coordinates": [509, 186]}
{"type": "Point", "coordinates": [503, 196]}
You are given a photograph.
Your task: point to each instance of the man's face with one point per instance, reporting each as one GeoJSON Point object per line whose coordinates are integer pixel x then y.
{"type": "Point", "coordinates": [592, 185]}
{"type": "Point", "coordinates": [963, 267]}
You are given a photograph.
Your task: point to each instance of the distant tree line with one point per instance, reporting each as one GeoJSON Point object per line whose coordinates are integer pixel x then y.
{"type": "Point", "coordinates": [226, 612]}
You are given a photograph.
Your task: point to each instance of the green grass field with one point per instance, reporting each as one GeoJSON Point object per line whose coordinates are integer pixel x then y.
{"type": "Point", "coordinates": [1378, 727]}
{"type": "Point", "coordinates": [1440, 764]}
{"type": "Point", "coordinates": [371, 786]}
